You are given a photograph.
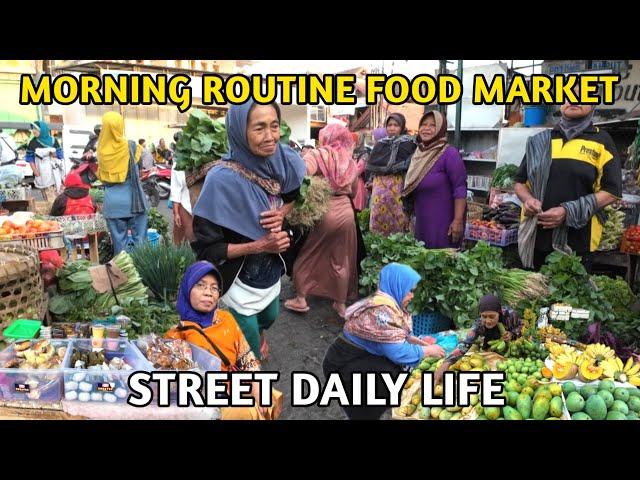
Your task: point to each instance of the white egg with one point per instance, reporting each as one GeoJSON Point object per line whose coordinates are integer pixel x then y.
{"type": "Point", "coordinates": [121, 393]}
{"type": "Point", "coordinates": [68, 386]}
{"type": "Point", "coordinates": [110, 397]}
{"type": "Point", "coordinates": [72, 395]}
{"type": "Point", "coordinates": [96, 397]}
{"type": "Point", "coordinates": [84, 397]}
{"type": "Point", "coordinates": [78, 377]}
{"type": "Point", "coordinates": [86, 387]}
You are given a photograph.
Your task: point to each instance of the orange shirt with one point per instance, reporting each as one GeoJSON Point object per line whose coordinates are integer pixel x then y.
{"type": "Point", "coordinates": [226, 334]}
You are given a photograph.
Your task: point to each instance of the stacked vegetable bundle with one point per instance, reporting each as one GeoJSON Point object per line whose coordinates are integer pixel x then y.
{"type": "Point", "coordinates": [75, 287]}
{"type": "Point", "coordinates": [203, 140]}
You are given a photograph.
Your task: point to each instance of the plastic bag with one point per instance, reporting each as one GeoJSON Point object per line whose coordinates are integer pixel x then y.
{"type": "Point", "coordinates": [10, 176]}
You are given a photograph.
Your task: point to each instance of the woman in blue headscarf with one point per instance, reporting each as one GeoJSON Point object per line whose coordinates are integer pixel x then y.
{"type": "Point", "coordinates": [377, 336]}
{"type": "Point", "coordinates": [238, 218]}
{"type": "Point", "coordinates": [46, 159]}
{"type": "Point", "coordinates": [205, 325]}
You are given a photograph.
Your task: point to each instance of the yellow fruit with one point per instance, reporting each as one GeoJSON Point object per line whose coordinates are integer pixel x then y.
{"type": "Point", "coordinates": [565, 371]}
{"type": "Point", "coordinates": [614, 369]}
{"type": "Point", "coordinates": [589, 371]}
{"type": "Point", "coordinates": [555, 389]}
{"type": "Point", "coordinates": [599, 353]}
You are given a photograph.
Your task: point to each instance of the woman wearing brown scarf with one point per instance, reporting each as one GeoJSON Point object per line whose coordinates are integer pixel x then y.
{"type": "Point", "coordinates": [436, 186]}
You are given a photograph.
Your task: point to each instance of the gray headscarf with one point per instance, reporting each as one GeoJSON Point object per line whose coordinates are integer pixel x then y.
{"type": "Point", "coordinates": [572, 127]}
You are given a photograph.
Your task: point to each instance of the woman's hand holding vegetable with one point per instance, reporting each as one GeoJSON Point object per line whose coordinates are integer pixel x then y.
{"type": "Point", "coordinates": [437, 376]}
{"type": "Point", "coordinates": [433, 351]}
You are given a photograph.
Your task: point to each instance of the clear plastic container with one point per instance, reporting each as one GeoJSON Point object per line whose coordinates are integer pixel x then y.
{"type": "Point", "coordinates": [109, 386]}
{"type": "Point", "coordinates": [25, 385]}
{"type": "Point", "coordinates": [205, 362]}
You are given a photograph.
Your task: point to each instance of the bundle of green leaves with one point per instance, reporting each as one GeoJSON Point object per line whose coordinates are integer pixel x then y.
{"type": "Point", "coordinates": [570, 283]}
{"type": "Point", "coordinates": [203, 140]}
{"type": "Point", "coordinates": [625, 323]}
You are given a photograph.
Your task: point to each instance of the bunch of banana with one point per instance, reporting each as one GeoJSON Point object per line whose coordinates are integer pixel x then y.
{"type": "Point", "coordinates": [574, 357]}
{"type": "Point", "coordinates": [498, 346]}
{"type": "Point", "coordinates": [599, 353]}
{"type": "Point", "coordinates": [615, 370]}
{"type": "Point", "coordinates": [558, 349]}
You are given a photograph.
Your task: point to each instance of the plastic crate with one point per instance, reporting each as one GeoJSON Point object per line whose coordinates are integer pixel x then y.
{"type": "Point", "coordinates": [427, 323]}
{"type": "Point", "coordinates": [41, 386]}
{"type": "Point", "coordinates": [38, 241]}
{"type": "Point", "coordinates": [22, 329]}
{"type": "Point", "coordinates": [101, 383]}
{"type": "Point", "coordinates": [204, 360]}
{"type": "Point", "coordinates": [493, 236]}
{"type": "Point", "coordinates": [12, 194]}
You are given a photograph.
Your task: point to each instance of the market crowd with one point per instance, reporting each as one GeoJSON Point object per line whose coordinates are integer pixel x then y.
{"type": "Point", "coordinates": [413, 184]}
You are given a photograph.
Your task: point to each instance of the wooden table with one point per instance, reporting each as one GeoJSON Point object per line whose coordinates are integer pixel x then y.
{"type": "Point", "coordinates": [28, 205]}
{"type": "Point", "coordinates": [13, 413]}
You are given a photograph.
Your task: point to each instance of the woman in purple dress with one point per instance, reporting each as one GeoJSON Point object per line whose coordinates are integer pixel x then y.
{"type": "Point", "coordinates": [435, 186]}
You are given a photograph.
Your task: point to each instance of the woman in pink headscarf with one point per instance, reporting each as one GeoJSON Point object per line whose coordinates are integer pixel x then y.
{"type": "Point", "coordinates": [327, 264]}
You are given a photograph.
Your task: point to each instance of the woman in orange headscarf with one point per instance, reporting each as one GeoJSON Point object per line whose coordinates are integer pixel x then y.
{"type": "Point", "coordinates": [327, 265]}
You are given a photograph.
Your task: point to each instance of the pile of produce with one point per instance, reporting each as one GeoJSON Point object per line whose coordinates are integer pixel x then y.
{"type": "Point", "coordinates": [631, 240]}
{"type": "Point", "coordinates": [162, 267]}
{"type": "Point", "coordinates": [596, 362]}
{"type": "Point", "coordinates": [507, 214]}
{"type": "Point", "coordinates": [520, 348]}
{"type": "Point", "coordinates": [412, 397]}
{"type": "Point", "coordinates": [452, 283]}
{"type": "Point", "coordinates": [158, 223]}
{"type": "Point", "coordinates": [363, 220]}
{"type": "Point", "coordinates": [312, 204]}
{"type": "Point", "coordinates": [570, 283]}
{"type": "Point", "coordinates": [75, 288]}
{"type": "Point", "coordinates": [383, 250]}
{"type": "Point", "coordinates": [203, 140]}
{"type": "Point", "coordinates": [626, 323]}
{"type": "Point", "coordinates": [11, 230]}
{"type": "Point", "coordinates": [602, 401]}
{"type": "Point", "coordinates": [612, 230]}
{"type": "Point", "coordinates": [528, 399]}
{"type": "Point", "coordinates": [503, 176]}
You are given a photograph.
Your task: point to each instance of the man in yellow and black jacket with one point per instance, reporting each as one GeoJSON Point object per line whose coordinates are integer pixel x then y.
{"type": "Point", "coordinates": [584, 161]}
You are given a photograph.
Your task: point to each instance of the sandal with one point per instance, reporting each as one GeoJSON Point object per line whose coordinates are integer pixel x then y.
{"type": "Point", "coordinates": [290, 306]}
{"type": "Point", "coordinates": [339, 311]}
{"type": "Point", "coordinates": [264, 350]}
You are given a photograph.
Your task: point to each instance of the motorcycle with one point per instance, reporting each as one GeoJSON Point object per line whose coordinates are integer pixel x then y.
{"type": "Point", "coordinates": [150, 187]}
{"type": "Point", "coordinates": [163, 181]}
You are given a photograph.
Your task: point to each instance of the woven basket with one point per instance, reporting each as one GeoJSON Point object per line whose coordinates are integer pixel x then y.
{"type": "Point", "coordinates": [195, 181]}
{"type": "Point", "coordinates": [21, 288]}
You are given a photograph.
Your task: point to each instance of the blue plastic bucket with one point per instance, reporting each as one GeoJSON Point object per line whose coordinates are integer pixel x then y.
{"type": "Point", "coordinates": [534, 116]}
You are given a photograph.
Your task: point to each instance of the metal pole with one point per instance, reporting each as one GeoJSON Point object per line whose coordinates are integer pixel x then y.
{"type": "Point", "coordinates": [456, 138]}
